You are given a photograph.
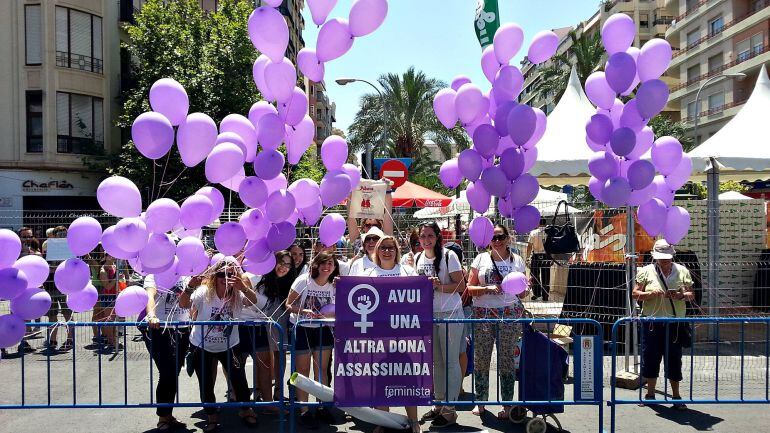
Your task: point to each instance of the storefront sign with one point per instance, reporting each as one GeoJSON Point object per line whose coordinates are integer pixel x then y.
{"type": "Point", "coordinates": [30, 185]}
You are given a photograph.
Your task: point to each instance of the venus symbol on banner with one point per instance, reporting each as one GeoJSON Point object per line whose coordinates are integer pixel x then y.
{"type": "Point", "coordinates": [363, 305]}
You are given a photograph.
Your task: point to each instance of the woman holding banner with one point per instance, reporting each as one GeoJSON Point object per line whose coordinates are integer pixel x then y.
{"type": "Point", "coordinates": [445, 270]}
{"type": "Point", "coordinates": [308, 297]}
{"type": "Point", "coordinates": [490, 302]}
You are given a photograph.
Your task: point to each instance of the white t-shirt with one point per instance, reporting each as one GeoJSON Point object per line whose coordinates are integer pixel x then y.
{"type": "Point", "coordinates": [488, 277]}
{"type": "Point", "coordinates": [407, 258]}
{"type": "Point", "coordinates": [311, 296]}
{"type": "Point", "coordinates": [167, 307]}
{"type": "Point", "coordinates": [213, 309]}
{"type": "Point", "coordinates": [256, 311]}
{"type": "Point", "coordinates": [442, 302]}
{"type": "Point", "coordinates": [360, 267]}
{"type": "Point", "coordinates": [397, 271]}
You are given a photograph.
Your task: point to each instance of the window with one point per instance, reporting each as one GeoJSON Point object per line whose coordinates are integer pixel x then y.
{"type": "Point", "coordinates": [717, 100]}
{"type": "Point", "coordinates": [693, 37]}
{"type": "Point", "coordinates": [693, 72]}
{"type": "Point", "coordinates": [757, 43]}
{"type": "Point", "coordinates": [715, 62]}
{"type": "Point", "coordinates": [34, 121]}
{"type": "Point", "coordinates": [79, 123]}
{"type": "Point", "coordinates": [716, 25]}
{"type": "Point", "coordinates": [743, 49]}
{"type": "Point", "coordinates": [644, 20]}
{"type": "Point", "coordinates": [78, 40]}
{"type": "Point", "coordinates": [33, 35]}
{"type": "Point", "coordinates": [691, 112]}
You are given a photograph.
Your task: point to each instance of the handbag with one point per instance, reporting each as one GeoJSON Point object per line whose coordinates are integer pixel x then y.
{"type": "Point", "coordinates": [682, 333]}
{"type": "Point", "coordinates": [561, 239]}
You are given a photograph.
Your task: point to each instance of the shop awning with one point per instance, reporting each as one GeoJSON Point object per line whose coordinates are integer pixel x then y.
{"type": "Point", "coordinates": [410, 195]}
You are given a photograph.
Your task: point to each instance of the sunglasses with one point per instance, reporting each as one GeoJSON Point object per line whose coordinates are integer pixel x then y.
{"type": "Point", "coordinates": [371, 239]}
{"type": "Point", "coordinates": [497, 238]}
{"type": "Point", "coordinates": [387, 249]}
{"type": "Point", "coordinates": [224, 275]}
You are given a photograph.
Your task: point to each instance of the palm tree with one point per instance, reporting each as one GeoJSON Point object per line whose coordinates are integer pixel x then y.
{"type": "Point", "coordinates": [586, 54]}
{"type": "Point", "coordinates": [408, 120]}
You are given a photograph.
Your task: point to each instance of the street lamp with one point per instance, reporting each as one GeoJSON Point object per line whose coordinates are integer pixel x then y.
{"type": "Point", "coordinates": [739, 75]}
{"type": "Point", "coordinates": [368, 157]}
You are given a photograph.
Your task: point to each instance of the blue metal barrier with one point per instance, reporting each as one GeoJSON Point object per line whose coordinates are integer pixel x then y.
{"type": "Point", "coordinates": [179, 359]}
{"type": "Point", "coordinates": [714, 342]}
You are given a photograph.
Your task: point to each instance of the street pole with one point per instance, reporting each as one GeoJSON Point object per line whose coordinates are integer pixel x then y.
{"type": "Point", "coordinates": [383, 134]}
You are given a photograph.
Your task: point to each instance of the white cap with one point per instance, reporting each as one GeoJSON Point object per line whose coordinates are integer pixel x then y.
{"type": "Point", "coordinates": [662, 250]}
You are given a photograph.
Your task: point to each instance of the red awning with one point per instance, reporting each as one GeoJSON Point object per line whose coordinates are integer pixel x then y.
{"type": "Point", "coordinates": [410, 194]}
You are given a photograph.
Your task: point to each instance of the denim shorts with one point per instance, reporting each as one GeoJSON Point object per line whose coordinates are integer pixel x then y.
{"type": "Point", "coordinates": [314, 339]}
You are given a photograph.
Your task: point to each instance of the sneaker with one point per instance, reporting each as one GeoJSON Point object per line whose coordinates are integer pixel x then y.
{"type": "Point", "coordinates": [324, 415]}
{"type": "Point", "coordinates": [66, 346]}
{"type": "Point", "coordinates": [430, 415]}
{"type": "Point", "coordinates": [25, 347]}
{"type": "Point", "coordinates": [442, 421]}
{"type": "Point", "coordinates": [308, 421]}
{"type": "Point", "coordinates": [679, 406]}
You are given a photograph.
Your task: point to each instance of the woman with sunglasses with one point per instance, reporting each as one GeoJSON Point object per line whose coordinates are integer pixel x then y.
{"type": "Point", "coordinates": [221, 297]}
{"type": "Point", "coordinates": [309, 294]}
{"type": "Point", "coordinates": [366, 261]}
{"type": "Point", "coordinates": [489, 302]}
{"type": "Point", "coordinates": [444, 268]}
{"type": "Point", "coordinates": [272, 289]}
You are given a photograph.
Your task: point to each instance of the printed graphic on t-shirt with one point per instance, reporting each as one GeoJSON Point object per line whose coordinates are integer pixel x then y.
{"type": "Point", "coordinates": [493, 277]}
{"type": "Point", "coordinates": [219, 334]}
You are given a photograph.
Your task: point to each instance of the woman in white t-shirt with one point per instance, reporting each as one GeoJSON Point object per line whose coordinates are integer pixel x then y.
{"type": "Point", "coordinates": [366, 261]}
{"type": "Point", "coordinates": [308, 299]}
{"type": "Point", "coordinates": [446, 272]}
{"type": "Point", "coordinates": [221, 297]}
{"type": "Point", "coordinates": [489, 302]}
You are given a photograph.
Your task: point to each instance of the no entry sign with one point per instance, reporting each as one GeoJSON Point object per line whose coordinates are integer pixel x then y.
{"type": "Point", "coordinates": [396, 171]}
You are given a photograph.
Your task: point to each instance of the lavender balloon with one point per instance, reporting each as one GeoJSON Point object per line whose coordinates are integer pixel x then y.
{"type": "Point", "coordinates": [12, 283]}
{"type": "Point", "coordinates": [677, 225]}
{"type": "Point", "coordinates": [311, 214]}
{"type": "Point", "coordinates": [31, 304]}
{"type": "Point", "coordinates": [254, 223]}
{"type": "Point", "coordinates": [10, 247]}
{"type": "Point", "coordinates": [258, 74]}
{"type": "Point", "coordinates": [260, 268]}
{"type": "Point", "coordinates": [162, 215]}
{"type": "Point", "coordinates": [270, 131]}
{"type": "Point", "coordinates": [332, 228]}
{"type": "Point", "coordinates": [230, 238]}
{"type": "Point", "coordinates": [71, 276]}
{"type": "Point", "coordinates": [652, 216]}
{"type": "Point", "coordinates": [196, 211]}
{"type": "Point", "coordinates": [470, 103]}
{"type": "Point", "coordinates": [522, 122]}
{"type": "Point", "coordinates": [257, 250]}
{"type": "Point", "coordinates": [305, 192]}
{"type": "Point", "coordinates": [540, 124]}
{"type": "Point", "coordinates": [83, 300]}
{"type": "Point", "coordinates": [158, 253]}
{"type": "Point", "coordinates": [298, 139]}
{"type": "Point", "coordinates": [508, 83]}
{"type": "Point", "coordinates": [280, 236]}
{"type": "Point", "coordinates": [543, 46]}
{"type": "Point", "coordinates": [152, 134]}
{"type": "Point", "coordinates": [131, 301]}
{"type": "Point", "coordinates": [268, 164]}
{"type": "Point", "coordinates": [12, 329]}
{"type": "Point", "coordinates": [258, 110]}
{"type": "Point", "coordinates": [195, 138]}
{"type": "Point", "coordinates": [459, 81]}
{"type": "Point", "coordinates": [444, 107]}
{"type": "Point", "coordinates": [119, 196]}
{"type": "Point", "coordinates": [335, 186]}
{"type": "Point", "coordinates": [280, 77]}
{"type": "Point", "coordinates": [599, 91]}
{"type": "Point", "coordinates": [243, 128]}
{"type": "Point", "coordinates": [654, 59]}
{"type": "Point", "coordinates": [334, 152]}
{"type": "Point", "coordinates": [293, 111]}
{"type": "Point", "coordinates": [481, 231]}
{"type": "Point", "coordinates": [478, 197]}
{"type": "Point", "coordinates": [279, 206]}
{"type": "Point", "coordinates": [35, 269]}
{"type": "Point", "coordinates": [526, 219]}
{"type": "Point", "coordinates": [334, 40]}
{"type": "Point", "coordinates": [354, 173]}
{"type": "Point", "coordinates": [680, 174]}
{"type": "Point", "coordinates": [309, 65]}
{"type": "Point", "coordinates": [366, 16]}
{"type": "Point", "coordinates": [450, 174]}
{"type": "Point", "coordinates": [666, 154]}
{"type": "Point", "coordinates": [132, 234]}
{"type": "Point", "coordinates": [524, 190]}
{"type": "Point", "coordinates": [320, 9]}
{"type": "Point", "coordinates": [269, 32]}
{"type": "Point", "coordinates": [217, 201]}
{"type": "Point", "coordinates": [489, 63]}
{"type": "Point", "coordinates": [507, 42]}
{"type": "Point", "coordinates": [651, 98]}
{"type": "Point", "coordinates": [618, 33]}
{"type": "Point", "coordinates": [83, 235]}
{"type": "Point", "coordinates": [514, 283]}
{"type": "Point", "coordinates": [169, 98]}
{"type": "Point", "coordinates": [111, 247]}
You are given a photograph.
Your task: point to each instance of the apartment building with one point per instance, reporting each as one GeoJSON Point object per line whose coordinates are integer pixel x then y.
{"type": "Point", "coordinates": [722, 46]}
{"type": "Point", "coordinates": [322, 110]}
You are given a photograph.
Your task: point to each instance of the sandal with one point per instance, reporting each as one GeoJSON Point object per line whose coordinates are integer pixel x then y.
{"type": "Point", "coordinates": [505, 414]}
{"type": "Point", "coordinates": [249, 419]}
{"type": "Point", "coordinates": [647, 397]}
{"type": "Point", "coordinates": [170, 424]}
{"type": "Point", "coordinates": [479, 410]}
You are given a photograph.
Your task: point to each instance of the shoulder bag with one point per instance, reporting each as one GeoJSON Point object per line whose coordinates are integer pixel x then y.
{"type": "Point", "coordinates": [682, 333]}
{"type": "Point", "coordinates": [561, 239]}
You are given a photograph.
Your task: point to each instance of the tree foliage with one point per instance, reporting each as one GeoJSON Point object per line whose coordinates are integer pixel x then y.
{"type": "Point", "coordinates": [308, 167]}
{"type": "Point", "coordinates": [210, 54]}
{"type": "Point", "coordinates": [663, 125]}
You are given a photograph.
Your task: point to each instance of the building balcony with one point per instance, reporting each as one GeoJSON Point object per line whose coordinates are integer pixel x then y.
{"type": "Point", "coordinates": [127, 11]}
{"type": "Point", "coordinates": [79, 145]}
{"type": "Point", "coordinates": [79, 62]}
{"type": "Point", "coordinates": [716, 113]}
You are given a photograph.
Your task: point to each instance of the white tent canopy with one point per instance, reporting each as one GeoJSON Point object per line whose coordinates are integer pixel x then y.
{"type": "Point", "coordinates": [733, 195]}
{"type": "Point", "coordinates": [562, 153]}
{"type": "Point", "coordinates": [741, 147]}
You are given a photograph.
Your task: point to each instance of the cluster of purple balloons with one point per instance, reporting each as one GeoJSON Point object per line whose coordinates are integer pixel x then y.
{"type": "Point", "coordinates": [627, 156]}
{"type": "Point", "coordinates": [504, 133]}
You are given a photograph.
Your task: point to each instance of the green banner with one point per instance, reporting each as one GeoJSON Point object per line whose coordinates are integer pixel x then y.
{"type": "Point", "coordinates": [487, 21]}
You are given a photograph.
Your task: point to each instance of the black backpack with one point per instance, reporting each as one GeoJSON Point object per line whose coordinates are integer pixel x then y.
{"type": "Point", "coordinates": [455, 248]}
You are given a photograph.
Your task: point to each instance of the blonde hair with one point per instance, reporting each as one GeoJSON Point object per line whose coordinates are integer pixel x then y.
{"type": "Point", "coordinates": [377, 250]}
{"type": "Point", "coordinates": [209, 281]}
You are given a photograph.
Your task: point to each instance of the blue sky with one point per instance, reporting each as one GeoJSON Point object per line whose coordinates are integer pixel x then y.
{"type": "Point", "coordinates": [435, 36]}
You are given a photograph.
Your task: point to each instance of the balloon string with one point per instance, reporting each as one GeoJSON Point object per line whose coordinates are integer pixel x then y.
{"type": "Point", "coordinates": [163, 176]}
{"type": "Point", "coordinates": [152, 191]}
{"type": "Point", "coordinates": [171, 184]}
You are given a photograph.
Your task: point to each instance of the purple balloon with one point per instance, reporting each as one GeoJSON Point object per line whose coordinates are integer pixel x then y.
{"type": "Point", "coordinates": [254, 223]}
{"type": "Point", "coordinates": [189, 249]}
{"type": "Point", "coordinates": [158, 253]}
{"type": "Point", "coordinates": [334, 40]}
{"type": "Point", "coordinates": [507, 42]}
{"type": "Point", "coordinates": [311, 214]}
{"type": "Point", "coordinates": [680, 174]}
{"type": "Point", "coordinates": [298, 139]}
{"type": "Point", "coordinates": [652, 216]}
{"type": "Point", "coordinates": [195, 138]}
{"type": "Point", "coordinates": [478, 197]}
{"type": "Point", "coordinates": [230, 238]}
{"type": "Point", "coordinates": [83, 235]}
{"type": "Point", "coordinates": [280, 77]}
{"type": "Point", "coordinates": [111, 247]}
{"type": "Point", "coordinates": [12, 329]}
{"type": "Point", "coordinates": [644, 140]}
{"type": "Point", "coordinates": [120, 197]}
{"type": "Point", "coordinates": [481, 231]}
{"type": "Point", "coordinates": [505, 207]}
{"type": "Point", "coordinates": [459, 81]}
{"type": "Point", "coordinates": [166, 280]}
{"type": "Point", "coordinates": [603, 166]}
{"type": "Point", "coordinates": [12, 283]}
{"type": "Point", "coordinates": [162, 215]}
{"type": "Point", "coordinates": [35, 269]}
{"type": "Point", "coordinates": [543, 46]}
{"type": "Point", "coordinates": [526, 219]}
{"type": "Point", "coordinates": [514, 283]}
{"type": "Point", "coordinates": [258, 110]}
{"type": "Point", "coordinates": [83, 300]}
{"type": "Point", "coordinates": [505, 144]}
{"type": "Point", "coordinates": [278, 183]}
{"type": "Point", "coordinates": [599, 91]}
{"type": "Point", "coordinates": [196, 211]}
{"type": "Point", "coordinates": [494, 180]}
{"type": "Point", "coordinates": [641, 196]}
{"type": "Point", "coordinates": [31, 304]}
{"type": "Point", "coordinates": [268, 164]}
{"type": "Point", "coordinates": [270, 131]}
{"type": "Point", "coordinates": [280, 236]}
{"type": "Point", "coordinates": [540, 124]}
{"type": "Point", "coordinates": [666, 154]}
{"type": "Point", "coordinates": [224, 162]}
{"type": "Point", "coordinates": [331, 229]}
{"type": "Point", "coordinates": [630, 118]}
{"type": "Point", "coordinates": [524, 190]}
{"type": "Point", "coordinates": [305, 192]}
{"type": "Point", "coordinates": [677, 225]}
{"type": "Point", "coordinates": [662, 191]}
{"type": "Point", "coordinates": [258, 74]}
{"type": "Point", "coordinates": [260, 268]}
{"type": "Point", "coordinates": [132, 234]}
{"type": "Point", "coordinates": [521, 122]}
{"type": "Point", "coordinates": [335, 187]}
{"type": "Point", "coordinates": [10, 247]}
{"type": "Point", "coordinates": [131, 301]}
{"type": "Point", "coordinates": [217, 200]}
{"type": "Point", "coordinates": [334, 152]}
{"type": "Point", "coordinates": [320, 9]}
{"type": "Point", "coordinates": [294, 110]}
{"type": "Point", "coordinates": [444, 107]}
{"type": "Point", "coordinates": [618, 33]}
{"type": "Point", "coordinates": [366, 16]}
{"type": "Point", "coordinates": [450, 174]}
{"type": "Point", "coordinates": [501, 117]}
{"type": "Point", "coordinates": [622, 141]}
{"type": "Point", "coordinates": [279, 206]}
{"type": "Point", "coordinates": [152, 134]}
{"type": "Point", "coordinates": [620, 71]}
{"type": "Point", "coordinates": [640, 174]}
{"type": "Point", "coordinates": [354, 173]}
{"type": "Point", "coordinates": [485, 140]}
{"type": "Point", "coordinates": [169, 98]}
{"type": "Point", "coordinates": [651, 98]}
{"type": "Point", "coordinates": [654, 59]}
{"type": "Point", "coordinates": [596, 187]}
{"type": "Point", "coordinates": [243, 128]}
{"type": "Point", "coordinates": [530, 158]}
{"type": "Point", "coordinates": [309, 65]}
{"type": "Point", "coordinates": [512, 163]}
{"type": "Point", "coordinates": [71, 276]}
{"type": "Point", "coordinates": [634, 53]}
{"type": "Point", "coordinates": [616, 191]}
{"type": "Point", "coordinates": [231, 137]}
{"type": "Point", "coordinates": [489, 63]}
{"type": "Point", "coordinates": [257, 250]}
{"type": "Point", "coordinates": [470, 103]}
{"type": "Point", "coordinates": [599, 129]}
{"type": "Point", "coordinates": [269, 32]}
{"type": "Point", "coordinates": [469, 162]}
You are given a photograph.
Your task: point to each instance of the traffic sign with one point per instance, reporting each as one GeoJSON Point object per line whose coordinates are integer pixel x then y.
{"type": "Point", "coordinates": [396, 171]}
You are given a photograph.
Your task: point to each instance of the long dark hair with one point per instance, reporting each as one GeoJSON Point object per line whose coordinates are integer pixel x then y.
{"type": "Point", "coordinates": [438, 248]}
{"type": "Point", "coordinates": [304, 255]}
{"type": "Point", "coordinates": [278, 287]}
{"type": "Point", "coordinates": [323, 257]}
{"type": "Point", "coordinates": [507, 235]}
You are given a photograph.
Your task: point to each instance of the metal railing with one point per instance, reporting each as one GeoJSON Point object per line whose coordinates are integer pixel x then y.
{"type": "Point", "coordinates": [741, 58]}
{"type": "Point", "coordinates": [79, 61]}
